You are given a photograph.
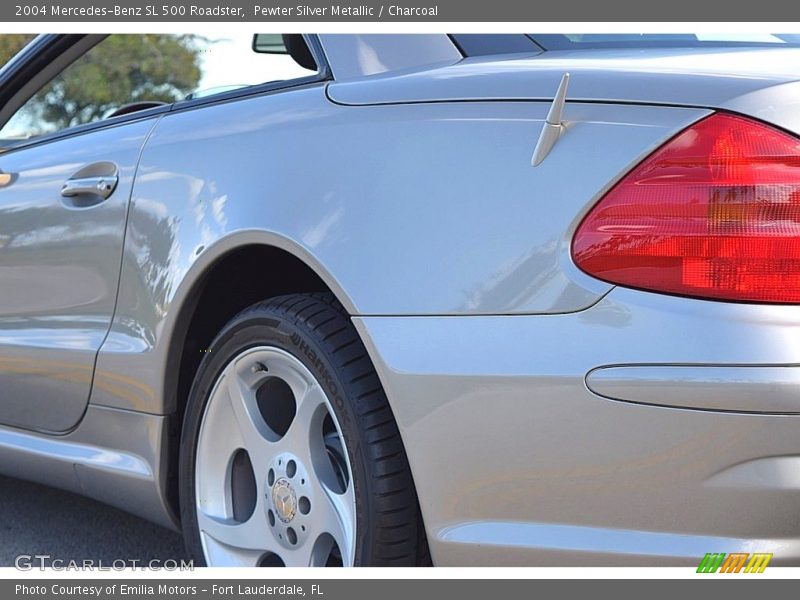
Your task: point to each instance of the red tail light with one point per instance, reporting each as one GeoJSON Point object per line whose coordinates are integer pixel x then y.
{"type": "Point", "coordinates": [714, 213]}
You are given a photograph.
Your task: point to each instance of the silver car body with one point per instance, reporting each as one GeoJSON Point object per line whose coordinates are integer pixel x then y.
{"type": "Point", "coordinates": [549, 418]}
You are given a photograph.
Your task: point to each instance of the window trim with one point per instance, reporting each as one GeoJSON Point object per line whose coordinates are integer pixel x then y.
{"type": "Point", "coordinates": [30, 59]}
{"type": "Point", "coordinates": [500, 49]}
{"type": "Point", "coordinates": [558, 42]}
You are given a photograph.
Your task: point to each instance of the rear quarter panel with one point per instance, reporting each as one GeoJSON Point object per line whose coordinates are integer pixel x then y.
{"type": "Point", "coordinates": [408, 209]}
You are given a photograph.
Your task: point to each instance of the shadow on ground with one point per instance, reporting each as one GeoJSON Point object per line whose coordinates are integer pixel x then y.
{"type": "Point", "coordinates": [39, 520]}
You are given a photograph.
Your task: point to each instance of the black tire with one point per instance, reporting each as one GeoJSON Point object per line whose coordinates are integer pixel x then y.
{"type": "Point", "coordinates": [316, 329]}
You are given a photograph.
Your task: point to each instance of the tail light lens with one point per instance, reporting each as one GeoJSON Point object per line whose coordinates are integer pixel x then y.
{"type": "Point", "coordinates": [714, 213]}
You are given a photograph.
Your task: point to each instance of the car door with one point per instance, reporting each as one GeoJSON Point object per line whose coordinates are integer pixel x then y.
{"type": "Point", "coordinates": [64, 195]}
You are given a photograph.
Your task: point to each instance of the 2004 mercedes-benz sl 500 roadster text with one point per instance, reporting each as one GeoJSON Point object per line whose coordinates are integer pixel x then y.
{"type": "Point", "coordinates": [408, 299]}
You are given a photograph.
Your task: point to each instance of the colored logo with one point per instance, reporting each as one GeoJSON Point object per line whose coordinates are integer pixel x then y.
{"type": "Point", "coordinates": [734, 563]}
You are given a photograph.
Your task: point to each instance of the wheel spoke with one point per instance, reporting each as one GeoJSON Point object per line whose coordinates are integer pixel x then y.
{"type": "Point", "coordinates": [246, 541]}
{"type": "Point", "coordinates": [334, 514]}
{"type": "Point", "coordinates": [301, 556]}
{"type": "Point", "coordinates": [252, 429]}
{"type": "Point", "coordinates": [298, 437]}
{"type": "Point", "coordinates": [215, 455]}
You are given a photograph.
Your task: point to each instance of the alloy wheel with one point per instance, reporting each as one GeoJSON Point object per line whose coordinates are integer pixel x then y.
{"type": "Point", "coordinates": [273, 483]}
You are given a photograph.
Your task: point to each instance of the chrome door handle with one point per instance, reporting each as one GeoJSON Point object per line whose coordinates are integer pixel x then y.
{"type": "Point", "coordinates": [102, 186]}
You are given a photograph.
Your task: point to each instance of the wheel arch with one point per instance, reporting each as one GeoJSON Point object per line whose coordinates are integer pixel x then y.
{"type": "Point", "coordinates": [213, 291]}
{"type": "Point", "coordinates": [230, 275]}
{"type": "Point", "coordinates": [203, 309]}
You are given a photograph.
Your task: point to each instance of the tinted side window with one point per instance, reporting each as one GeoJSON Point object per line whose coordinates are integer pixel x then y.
{"type": "Point", "coordinates": [124, 73]}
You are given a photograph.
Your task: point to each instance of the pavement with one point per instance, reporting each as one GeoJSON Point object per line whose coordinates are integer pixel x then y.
{"type": "Point", "coordinates": [41, 520]}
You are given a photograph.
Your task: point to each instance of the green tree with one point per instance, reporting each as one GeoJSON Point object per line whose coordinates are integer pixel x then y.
{"type": "Point", "coordinates": [119, 70]}
{"type": "Point", "coordinates": [12, 43]}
